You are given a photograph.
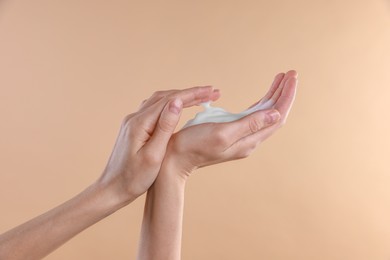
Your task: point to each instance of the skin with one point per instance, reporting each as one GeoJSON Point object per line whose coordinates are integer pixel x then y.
{"type": "Point", "coordinates": [144, 149]}
{"type": "Point", "coordinates": [163, 214]}
{"type": "Point", "coordinates": [131, 169]}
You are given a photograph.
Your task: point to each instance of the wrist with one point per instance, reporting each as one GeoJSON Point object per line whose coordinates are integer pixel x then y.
{"type": "Point", "coordinates": [111, 195]}
{"type": "Point", "coordinates": [176, 167]}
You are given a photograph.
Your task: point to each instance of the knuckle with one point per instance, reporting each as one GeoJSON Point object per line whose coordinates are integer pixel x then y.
{"type": "Point", "coordinates": [131, 125]}
{"type": "Point", "coordinates": [172, 93]}
{"type": "Point", "coordinates": [127, 119]}
{"type": "Point", "coordinates": [255, 125]}
{"type": "Point", "coordinates": [143, 102]}
{"type": "Point", "coordinates": [162, 93]}
{"type": "Point", "coordinates": [221, 138]}
{"type": "Point", "coordinates": [157, 93]}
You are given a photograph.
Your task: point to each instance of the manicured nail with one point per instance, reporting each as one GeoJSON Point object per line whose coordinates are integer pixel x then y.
{"type": "Point", "coordinates": [175, 106]}
{"type": "Point", "coordinates": [273, 116]}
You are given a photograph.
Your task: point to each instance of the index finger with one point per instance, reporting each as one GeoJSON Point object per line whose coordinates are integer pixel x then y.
{"type": "Point", "coordinates": [189, 97]}
{"type": "Point", "coordinates": [196, 95]}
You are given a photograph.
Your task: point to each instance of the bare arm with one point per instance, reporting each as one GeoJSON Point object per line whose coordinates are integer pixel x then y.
{"type": "Point", "coordinates": [132, 168]}
{"type": "Point", "coordinates": [43, 234]}
{"type": "Point", "coordinates": [163, 216]}
{"type": "Point", "coordinates": [199, 146]}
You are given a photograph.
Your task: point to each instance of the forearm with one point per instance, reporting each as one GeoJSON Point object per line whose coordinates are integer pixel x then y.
{"type": "Point", "coordinates": [163, 216]}
{"type": "Point", "coordinates": [43, 234]}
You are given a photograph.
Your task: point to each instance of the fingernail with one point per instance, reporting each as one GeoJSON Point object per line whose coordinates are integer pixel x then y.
{"type": "Point", "coordinates": [273, 116]}
{"type": "Point", "coordinates": [175, 106]}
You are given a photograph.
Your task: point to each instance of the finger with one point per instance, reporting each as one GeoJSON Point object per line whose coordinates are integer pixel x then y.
{"type": "Point", "coordinates": [289, 74]}
{"type": "Point", "coordinates": [156, 97]}
{"type": "Point", "coordinates": [142, 104]}
{"type": "Point", "coordinates": [287, 97]}
{"type": "Point", "coordinates": [215, 95]}
{"type": "Point", "coordinates": [283, 105]}
{"type": "Point", "coordinates": [196, 95]}
{"type": "Point", "coordinates": [190, 96]}
{"type": "Point", "coordinates": [165, 126]}
{"type": "Point", "coordinates": [274, 86]}
{"type": "Point", "coordinates": [250, 124]}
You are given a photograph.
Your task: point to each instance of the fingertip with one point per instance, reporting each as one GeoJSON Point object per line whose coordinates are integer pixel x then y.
{"type": "Point", "coordinates": [213, 96]}
{"type": "Point", "coordinates": [292, 73]}
{"type": "Point", "coordinates": [205, 91]}
{"type": "Point", "coordinates": [290, 88]}
{"type": "Point", "coordinates": [292, 81]}
{"type": "Point", "coordinates": [279, 75]}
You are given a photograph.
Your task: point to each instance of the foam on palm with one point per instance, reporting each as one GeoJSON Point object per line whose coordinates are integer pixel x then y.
{"type": "Point", "coordinates": [212, 114]}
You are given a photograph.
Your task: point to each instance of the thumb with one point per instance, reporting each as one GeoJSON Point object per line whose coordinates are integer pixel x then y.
{"type": "Point", "coordinates": [167, 122]}
{"type": "Point", "coordinates": [251, 124]}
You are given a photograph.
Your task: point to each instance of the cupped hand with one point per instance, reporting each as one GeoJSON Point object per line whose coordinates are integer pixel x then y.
{"type": "Point", "coordinates": [143, 137]}
{"type": "Point", "coordinates": [212, 143]}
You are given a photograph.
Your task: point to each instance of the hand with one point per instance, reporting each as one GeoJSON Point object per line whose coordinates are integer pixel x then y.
{"type": "Point", "coordinates": [212, 143]}
{"type": "Point", "coordinates": [142, 141]}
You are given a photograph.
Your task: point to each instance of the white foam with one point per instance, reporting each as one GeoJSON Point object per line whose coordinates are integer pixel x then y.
{"type": "Point", "coordinates": [212, 114]}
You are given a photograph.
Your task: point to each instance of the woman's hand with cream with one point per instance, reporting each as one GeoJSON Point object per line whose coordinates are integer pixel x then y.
{"type": "Point", "coordinates": [210, 143]}
{"type": "Point", "coordinates": [200, 145]}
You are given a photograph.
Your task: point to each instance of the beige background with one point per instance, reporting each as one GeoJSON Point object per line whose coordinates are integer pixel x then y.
{"type": "Point", "coordinates": [319, 189]}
